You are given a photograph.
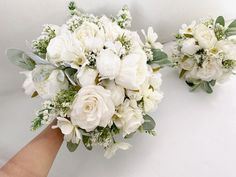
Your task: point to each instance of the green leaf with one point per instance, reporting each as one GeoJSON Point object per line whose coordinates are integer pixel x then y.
{"type": "Point", "coordinates": [19, 58]}
{"type": "Point", "coordinates": [231, 29]}
{"type": "Point", "coordinates": [70, 74]}
{"type": "Point", "coordinates": [212, 82]}
{"type": "Point", "coordinates": [220, 20]}
{"type": "Point", "coordinates": [206, 86]}
{"type": "Point", "coordinates": [72, 146]}
{"type": "Point", "coordinates": [149, 123]}
{"type": "Point", "coordinates": [232, 25]}
{"type": "Point", "coordinates": [34, 94]}
{"type": "Point", "coordinates": [182, 73]}
{"type": "Point", "coordinates": [188, 35]}
{"type": "Point", "coordinates": [87, 142]}
{"type": "Point", "coordinates": [160, 58]}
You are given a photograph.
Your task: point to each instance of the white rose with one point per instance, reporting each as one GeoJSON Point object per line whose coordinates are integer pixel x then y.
{"type": "Point", "coordinates": [92, 107]}
{"type": "Point", "coordinates": [117, 92]}
{"type": "Point", "coordinates": [205, 36]}
{"type": "Point", "coordinates": [112, 29]}
{"type": "Point", "coordinates": [48, 81]}
{"type": "Point", "coordinates": [71, 132]}
{"type": "Point", "coordinates": [189, 46]}
{"type": "Point", "coordinates": [129, 118]}
{"type": "Point", "coordinates": [111, 150]}
{"type": "Point", "coordinates": [108, 64]}
{"type": "Point", "coordinates": [210, 70]}
{"type": "Point", "coordinates": [228, 47]}
{"type": "Point", "coordinates": [28, 84]}
{"type": "Point", "coordinates": [65, 48]}
{"type": "Point", "coordinates": [133, 71]}
{"type": "Point", "coordinates": [90, 35]}
{"type": "Point", "coordinates": [87, 76]}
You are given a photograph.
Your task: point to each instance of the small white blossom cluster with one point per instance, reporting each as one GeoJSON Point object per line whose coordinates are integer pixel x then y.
{"type": "Point", "coordinates": [204, 52]}
{"type": "Point", "coordinates": [97, 78]}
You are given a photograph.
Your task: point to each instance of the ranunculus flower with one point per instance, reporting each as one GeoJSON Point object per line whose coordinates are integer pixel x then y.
{"type": "Point", "coordinates": [129, 117]}
{"type": "Point", "coordinates": [189, 46]}
{"type": "Point", "coordinates": [133, 71]}
{"type": "Point", "coordinates": [87, 76]}
{"type": "Point", "coordinates": [28, 84]}
{"type": "Point", "coordinates": [117, 92]}
{"type": "Point", "coordinates": [90, 35]}
{"type": "Point", "coordinates": [92, 107]}
{"type": "Point", "coordinates": [108, 64]}
{"type": "Point", "coordinates": [71, 132]}
{"type": "Point", "coordinates": [205, 36]}
{"type": "Point", "coordinates": [48, 81]}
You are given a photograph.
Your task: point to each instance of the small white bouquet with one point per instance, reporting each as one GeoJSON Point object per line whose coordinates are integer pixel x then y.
{"type": "Point", "coordinates": [97, 77]}
{"type": "Point", "coordinates": [205, 52]}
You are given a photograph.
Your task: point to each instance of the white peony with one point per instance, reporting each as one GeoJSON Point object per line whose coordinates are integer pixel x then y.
{"type": "Point", "coordinates": [228, 47]}
{"type": "Point", "coordinates": [92, 107]}
{"type": "Point", "coordinates": [28, 84]}
{"type": "Point", "coordinates": [151, 99]}
{"type": "Point", "coordinates": [108, 64]}
{"type": "Point", "coordinates": [133, 71]}
{"type": "Point", "coordinates": [205, 36]}
{"type": "Point", "coordinates": [65, 49]}
{"type": "Point", "coordinates": [117, 92]}
{"type": "Point", "coordinates": [188, 64]}
{"type": "Point", "coordinates": [90, 35]}
{"type": "Point", "coordinates": [189, 46]}
{"type": "Point", "coordinates": [87, 76]}
{"type": "Point", "coordinates": [111, 150]}
{"type": "Point", "coordinates": [210, 70]}
{"type": "Point", "coordinates": [48, 81]}
{"type": "Point", "coordinates": [129, 117]}
{"type": "Point", "coordinates": [71, 132]}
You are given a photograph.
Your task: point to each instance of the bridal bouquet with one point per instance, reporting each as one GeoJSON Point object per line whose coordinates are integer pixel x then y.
{"type": "Point", "coordinates": [205, 52]}
{"type": "Point", "coordinates": [97, 77]}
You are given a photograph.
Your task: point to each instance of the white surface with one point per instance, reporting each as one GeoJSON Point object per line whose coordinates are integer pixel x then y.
{"type": "Point", "coordinates": [196, 131]}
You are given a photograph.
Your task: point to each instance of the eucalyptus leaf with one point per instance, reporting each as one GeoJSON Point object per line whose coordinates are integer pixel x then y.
{"type": "Point", "coordinates": [220, 20]}
{"type": "Point", "coordinates": [213, 82]}
{"type": "Point", "coordinates": [87, 142]}
{"type": "Point", "coordinates": [232, 25]}
{"type": "Point", "coordinates": [38, 59]}
{"type": "Point", "coordinates": [70, 74]}
{"type": "Point", "coordinates": [72, 146]}
{"type": "Point", "coordinates": [19, 58]}
{"type": "Point", "coordinates": [206, 86]}
{"type": "Point", "coordinates": [149, 123]}
{"type": "Point", "coordinates": [160, 58]}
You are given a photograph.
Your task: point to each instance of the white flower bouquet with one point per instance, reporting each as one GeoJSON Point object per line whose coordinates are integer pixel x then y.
{"type": "Point", "coordinates": [98, 79]}
{"type": "Point", "coordinates": [205, 52]}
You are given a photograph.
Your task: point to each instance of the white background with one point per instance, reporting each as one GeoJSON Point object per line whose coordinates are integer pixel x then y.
{"type": "Point", "coordinates": [196, 132]}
